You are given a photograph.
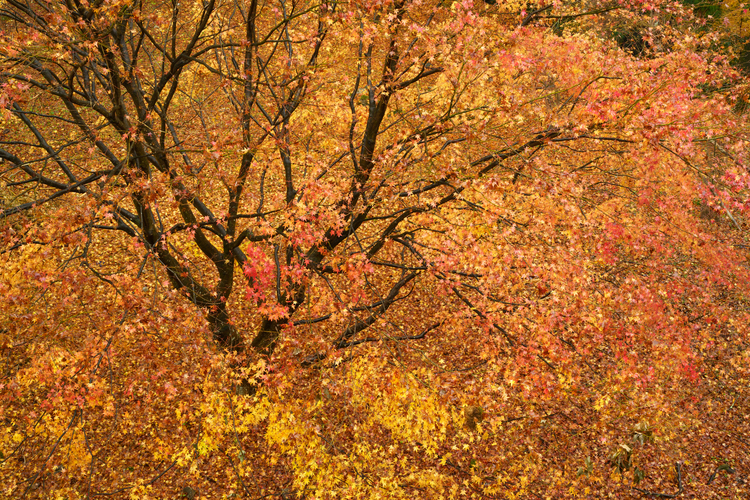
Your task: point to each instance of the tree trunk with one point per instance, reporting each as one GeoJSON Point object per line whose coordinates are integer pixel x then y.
{"type": "Point", "coordinates": [265, 341]}
{"type": "Point", "coordinates": [222, 328]}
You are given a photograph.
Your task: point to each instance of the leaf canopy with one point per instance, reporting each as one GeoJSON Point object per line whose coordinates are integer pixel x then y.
{"type": "Point", "coordinates": [372, 249]}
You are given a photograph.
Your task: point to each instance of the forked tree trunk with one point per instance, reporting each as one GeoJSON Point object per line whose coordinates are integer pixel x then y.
{"type": "Point", "coordinates": [224, 332]}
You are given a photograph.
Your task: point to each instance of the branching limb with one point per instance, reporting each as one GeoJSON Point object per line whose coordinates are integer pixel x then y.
{"type": "Point", "coordinates": [678, 471]}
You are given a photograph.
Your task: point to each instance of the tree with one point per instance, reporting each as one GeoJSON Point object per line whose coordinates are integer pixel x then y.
{"type": "Point", "coordinates": [367, 249]}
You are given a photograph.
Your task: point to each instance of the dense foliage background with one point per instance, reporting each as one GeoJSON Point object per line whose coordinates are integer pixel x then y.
{"type": "Point", "coordinates": [374, 249]}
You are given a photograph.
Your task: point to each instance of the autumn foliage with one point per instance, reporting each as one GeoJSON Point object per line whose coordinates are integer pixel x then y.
{"type": "Point", "coordinates": [373, 249]}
